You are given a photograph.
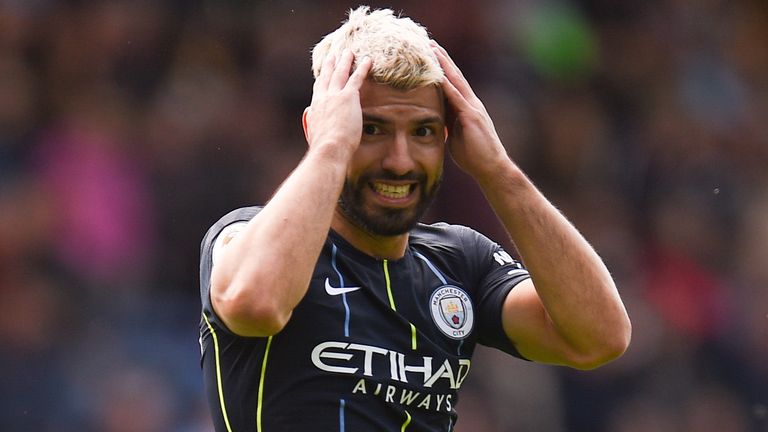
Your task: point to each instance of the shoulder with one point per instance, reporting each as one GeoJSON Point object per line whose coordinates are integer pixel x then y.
{"type": "Point", "coordinates": [242, 214]}
{"type": "Point", "coordinates": [448, 235]}
{"type": "Point", "coordinates": [455, 246]}
{"type": "Point", "coordinates": [226, 226]}
{"type": "Point", "coordinates": [461, 246]}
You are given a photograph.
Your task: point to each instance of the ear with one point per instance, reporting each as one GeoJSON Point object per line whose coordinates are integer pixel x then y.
{"type": "Point", "coordinates": [304, 118]}
{"type": "Point", "coordinates": [446, 134]}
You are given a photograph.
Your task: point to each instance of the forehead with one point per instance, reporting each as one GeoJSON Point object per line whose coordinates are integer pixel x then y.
{"type": "Point", "coordinates": [382, 99]}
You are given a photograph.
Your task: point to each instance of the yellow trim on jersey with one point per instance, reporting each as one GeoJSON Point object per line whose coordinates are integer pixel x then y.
{"type": "Point", "coordinates": [407, 421]}
{"type": "Point", "coordinates": [389, 287]}
{"type": "Point", "coordinates": [218, 373]}
{"type": "Point", "coordinates": [261, 385]}
{"type": "Point", "coordinates": [392, 302]}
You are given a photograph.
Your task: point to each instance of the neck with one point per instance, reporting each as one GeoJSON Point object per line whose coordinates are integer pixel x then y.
{"type": "Point", "coordinates": [381, 247]}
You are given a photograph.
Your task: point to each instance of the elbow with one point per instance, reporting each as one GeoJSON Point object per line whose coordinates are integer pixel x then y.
{"type": "Point", "coordinates": [608, 349]}
{"type": "Point", "coordinates": [246, 312]}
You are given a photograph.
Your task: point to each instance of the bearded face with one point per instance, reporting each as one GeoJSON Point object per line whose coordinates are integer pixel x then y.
{"type": "Point", "coordinates": [381, 220]}
{"type": "Point", "coordinates": [396, 170]}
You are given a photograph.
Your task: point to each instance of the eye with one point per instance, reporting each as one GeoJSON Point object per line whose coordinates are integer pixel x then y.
{"type": "Point", "coordinates": [424, 131]}
{"type": "Point", "coordinates": [371, 129]}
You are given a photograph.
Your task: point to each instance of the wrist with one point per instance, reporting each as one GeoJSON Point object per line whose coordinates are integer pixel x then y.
{"type": "Point", "coordinates": [503, 172]}
{"type": "Point", "coordinates": [331, 154]}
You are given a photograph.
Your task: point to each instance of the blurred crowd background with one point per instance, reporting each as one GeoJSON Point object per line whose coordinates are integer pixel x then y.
{"type": "Point", "coordinates": [128, 127]}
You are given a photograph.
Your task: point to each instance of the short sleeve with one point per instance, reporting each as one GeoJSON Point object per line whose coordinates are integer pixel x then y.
{"type": "Point", "coordinates": [207, 250]}
{"type": "Point", "coordinates": [497, 274]}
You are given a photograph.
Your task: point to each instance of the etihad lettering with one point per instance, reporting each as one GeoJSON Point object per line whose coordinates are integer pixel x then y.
{"type": "Point", "coordinates": [353, 358]}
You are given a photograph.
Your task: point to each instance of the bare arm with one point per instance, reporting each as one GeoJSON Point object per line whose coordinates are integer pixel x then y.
{"type": "Point", "coordinates": [570, 313]}
{"type": "Point", "coordinates": [262, 273]}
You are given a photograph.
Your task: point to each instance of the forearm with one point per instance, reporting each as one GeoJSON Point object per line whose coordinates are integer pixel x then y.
{"type": "Point", "coordinates": [265, 271]}
{"type": "Point", "coordinates": [573, 284]}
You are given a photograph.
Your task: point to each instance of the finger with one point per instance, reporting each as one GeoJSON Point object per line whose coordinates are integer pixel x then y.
{"type": "Point", "coordinates": [341, 71]}
{"type": "Point", "coordinates": [326, 70]}
{"type": "Point", "coordinates": [452, 71]}
{"type": "Point", "coordinates": [445, 59]}
{"type": "Point", "coordinates": [453, 95]}
{"type": "Point", "coordinates": [360, 74]}
{"type": "Point", "coordinates": [455, 102]}
{"type": "Point", "coordinates": [442, 52]}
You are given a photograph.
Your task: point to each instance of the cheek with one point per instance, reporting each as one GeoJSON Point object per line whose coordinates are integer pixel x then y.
{"type": "Point", "coordinates": [363, 160]}
{"type": "Point", "coordinates": [436, 176]}
{"type": "Point", "coordinates": [433, 158]}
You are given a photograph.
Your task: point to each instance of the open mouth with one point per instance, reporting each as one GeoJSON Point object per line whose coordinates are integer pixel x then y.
{"type": "Point", "coordinates": [393, 191]}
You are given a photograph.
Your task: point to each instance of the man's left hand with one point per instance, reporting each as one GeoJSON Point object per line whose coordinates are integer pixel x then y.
{"type": "Point", "coordinates": [472, 138]}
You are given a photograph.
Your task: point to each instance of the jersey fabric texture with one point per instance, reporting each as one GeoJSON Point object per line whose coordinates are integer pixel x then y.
{"type": "Point", "coordinates": [374, 345]}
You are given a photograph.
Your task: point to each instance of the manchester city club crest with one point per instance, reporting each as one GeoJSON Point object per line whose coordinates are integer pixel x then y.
{"type": "Point", "coordinates": [452, 311]}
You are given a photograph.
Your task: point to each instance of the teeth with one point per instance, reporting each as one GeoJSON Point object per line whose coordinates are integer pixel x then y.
{"type": "Point", "coordinates": [392, 191]}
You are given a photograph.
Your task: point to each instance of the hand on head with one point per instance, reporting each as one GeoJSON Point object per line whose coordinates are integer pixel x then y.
{"type": "Point", "coordinates": [334, 116]}
{"type": "Point", "coordinates": [472, 138]}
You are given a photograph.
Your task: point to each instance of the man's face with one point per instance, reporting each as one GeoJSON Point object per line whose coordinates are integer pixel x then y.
{"type": "Point", "coordinates": [397, 169]}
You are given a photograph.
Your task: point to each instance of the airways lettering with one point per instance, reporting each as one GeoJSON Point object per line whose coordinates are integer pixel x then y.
{"type": "Point", "coordinates": [407, 397]}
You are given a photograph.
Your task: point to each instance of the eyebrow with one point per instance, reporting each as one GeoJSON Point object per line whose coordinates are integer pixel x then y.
{"type": "Point", "coordinates": [421, 121]}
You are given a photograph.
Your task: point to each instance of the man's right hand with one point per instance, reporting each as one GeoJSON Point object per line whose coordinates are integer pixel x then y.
{"type": "Point", "coordinates": [334, 117]}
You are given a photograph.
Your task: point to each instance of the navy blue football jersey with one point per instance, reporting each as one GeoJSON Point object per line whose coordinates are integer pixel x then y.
{"type": "Point", "coordinates": [374, 345]}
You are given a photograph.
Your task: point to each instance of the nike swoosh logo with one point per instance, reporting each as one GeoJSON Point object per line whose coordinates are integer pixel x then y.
{"type": "Point", "coordinates": [331, 290]}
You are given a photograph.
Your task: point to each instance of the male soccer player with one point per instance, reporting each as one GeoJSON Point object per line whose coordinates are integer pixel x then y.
{"type": "Point", "coordinates": [331, 308]}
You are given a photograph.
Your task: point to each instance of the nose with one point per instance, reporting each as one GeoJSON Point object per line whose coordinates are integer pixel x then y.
{"type": "Point", "coordinates": [398, 159]}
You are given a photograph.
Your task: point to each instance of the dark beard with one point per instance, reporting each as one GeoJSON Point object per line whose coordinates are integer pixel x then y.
{"type": "Point", "coordinates": [386, 221]}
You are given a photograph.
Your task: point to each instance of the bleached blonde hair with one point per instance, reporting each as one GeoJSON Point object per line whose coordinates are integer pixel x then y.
{"type": "Point", "coordinates": [398, 47]}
